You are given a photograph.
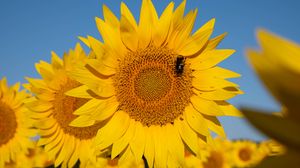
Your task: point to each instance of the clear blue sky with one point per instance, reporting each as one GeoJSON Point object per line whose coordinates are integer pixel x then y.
{"type": "Point", "coordinates": [30, 29]}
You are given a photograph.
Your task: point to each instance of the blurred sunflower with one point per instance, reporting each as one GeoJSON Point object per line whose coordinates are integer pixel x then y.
{"type": "Point", "coordinates": [246, 153]}
{"type": "Point", "coordinates": [277, 64]}
{"type": "Point", "coordinates": [213, 155]}
{"type": "Point", "coordinates": [54, 111]}
{"type": "Point", "coordinates": [159, 89]}
{"type": "Point", "coordinates": [15, 123]}
{"type": "Point", "coordinates": [37, 157]}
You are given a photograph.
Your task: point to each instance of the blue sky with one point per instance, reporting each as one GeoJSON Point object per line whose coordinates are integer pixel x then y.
{"type": "Point", "coordinates": [30, 30]}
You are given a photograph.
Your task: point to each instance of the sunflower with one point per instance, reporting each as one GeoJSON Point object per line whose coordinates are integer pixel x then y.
{"type": "Point", "coordinates": [15, 123]}
{"type": "Point", "coordinates": [246, 153]}
{"type": "Point", "coordinates": [157, 85]}
{"type": "Point", "coordinates": [35, 158]}
{"type": "Point", "coordinates": [54, 111]}
{"type": "Point", "coordinates": [212, 155]}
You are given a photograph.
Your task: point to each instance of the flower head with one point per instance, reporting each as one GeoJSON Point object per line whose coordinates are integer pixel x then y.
{"type": "Point", "coordinates": [16, 126]}
{"type": "Point", "coordinates": [155, 85]}
{"type": "Point", "coordinates": [53, 111]}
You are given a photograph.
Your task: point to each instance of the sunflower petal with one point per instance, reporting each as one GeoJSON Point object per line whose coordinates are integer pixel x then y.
{"type": "Point", "coordinates": [195, 120]}
{"type": "Point", "coordinates": [210, 59]}
{"type": "Point", "coordinates": [128, 34]}
{"type": "Point", "coordinates": [161, 30]}
{"type": "Point", "coordinates": [123, 142]}
{"type": "Point", "coordinates": [105, 136]}
{"type": "Point", "coordinates": [188, 135]}
{"type": "Point", "coordinates": [137, 144]}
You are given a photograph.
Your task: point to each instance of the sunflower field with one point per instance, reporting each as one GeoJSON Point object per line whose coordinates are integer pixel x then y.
{"type": "Point", "coordinates": [151, 90]}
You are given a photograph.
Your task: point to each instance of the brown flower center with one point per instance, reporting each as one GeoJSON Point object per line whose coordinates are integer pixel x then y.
{"type": "Point", "coordinates": [149, 88]}
{"type": "Point", "coordinates": [245, 154]}
{"type": "Point", "coordinates": [63, 108]}
{"type": "Point", "coordinates": [8, 123]}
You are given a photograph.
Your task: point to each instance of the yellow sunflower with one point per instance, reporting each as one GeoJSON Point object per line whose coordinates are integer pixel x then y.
{"type": "Point", "coordinates": [246, 153]}
{"type": "Point", "coordinates": [54, 111]}
{"type": "Point", "coordinates": [159, 89]}
{"type": "Point", "coordinates": [213, 155]}
{"type": "Point", "coordinates": [15, 123]}
{"type": "Point", "coordinates": [35, 158]}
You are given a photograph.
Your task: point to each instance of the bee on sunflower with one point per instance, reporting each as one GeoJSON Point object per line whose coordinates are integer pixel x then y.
{"type": "Point", "coordinates": [156, 88]}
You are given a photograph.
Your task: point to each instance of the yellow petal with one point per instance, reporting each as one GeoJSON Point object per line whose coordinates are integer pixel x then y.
{"type": "Point", "coordinates": [214, 42]}
{"type": "Point", "coordinates": [89, 107]}
{"type": "Point", "coordinates": [105, 110]}
{"type": "Point", "coordinates": [39, 106]}
{"type": "Point", "coordinates": [187, 134]}
{"type": "Point", "coordinates": [123, 142]}
{"type": "Point", "coordinates": [161, 30]}
{"type": "Point", "coordinates": [82, 121]}
{"type": "Point", "coordinates": [279, 49]}
{"type": "Point", "coordinates": [111, 36]}
{"type": "Point", "coordinates": [214, 124]}
{"type": "Point", "coordinates": [146, 23]}
{"type": "Point", "coordinates": [99, 69]}
{"type": "Point", "coordinates": [80, 92]}
{"type": "Point", "coordinates": [118, 123]}
{"type": "Point", "coordinates": [219, 94]}
{"type": "Point", "coordinates": [96, 46]}
{"type": "Point", "coordinates": [208, 83]}
{"type": "Point", "coordinates": [161, 150]}
{"type": "Point", "coordinates": [103, 88]}
{"type": "Point", "coordinates": [228, 109]}
{"type": "Point", "coordinates": [178, 14]}
{"type": "Point", "coordinates": [195, 120]}
{"type": "Point", "coordinates": [74, 157]}
{"type": "Point", "coordinates": [149, 146]}
{"type": "Point", "coordinates": [216, 72]}
{"type": "Point", "coordinates": [210, 59]}
{"type": "Point", "coordinates": [282, 82]}
{"type": "Point", "coordinates": [137, 144]}
{"type": "Point", "coordinates": [56, 61]}
{"type": "Point", "coordinates": [129, 34]}
{"type": "Point", "coordinates": [175, 144]}
{"type": "Point", "coordinates": [206, 107]}
{"type": "Point", "coordinates": [183, 32]}
{"type": "Point", "coordinates": [127, 13]}
{"type": "Point", "coordinates": [110, 17]}
{"type": "Point", "coordinates": [196, 43]}
{"type": "Point", "coordinates": [85, 41]}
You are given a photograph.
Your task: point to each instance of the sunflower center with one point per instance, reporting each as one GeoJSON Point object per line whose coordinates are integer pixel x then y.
{"type": "Point", "coordinates": [245, 154]}
{"type": "Point", "coordinates": [64, 106]}
{"type": "Point", "coordinates": [148, 87]}
{"type": "Point", "coordinates": [151, 84]}
{"type": "Point", "coordinates": [8, 123]}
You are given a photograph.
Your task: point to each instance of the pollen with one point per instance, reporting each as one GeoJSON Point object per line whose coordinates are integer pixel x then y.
{"type": "Point", "coordinates": [64, 106]}
{"type": "Point", "coordinates": [148, 88]}
{"type": "Point", "coordinates": [8, 123]}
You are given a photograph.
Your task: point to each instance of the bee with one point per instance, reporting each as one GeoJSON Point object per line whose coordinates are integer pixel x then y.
{"type": "Point", "coordinates": [179, 65]}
